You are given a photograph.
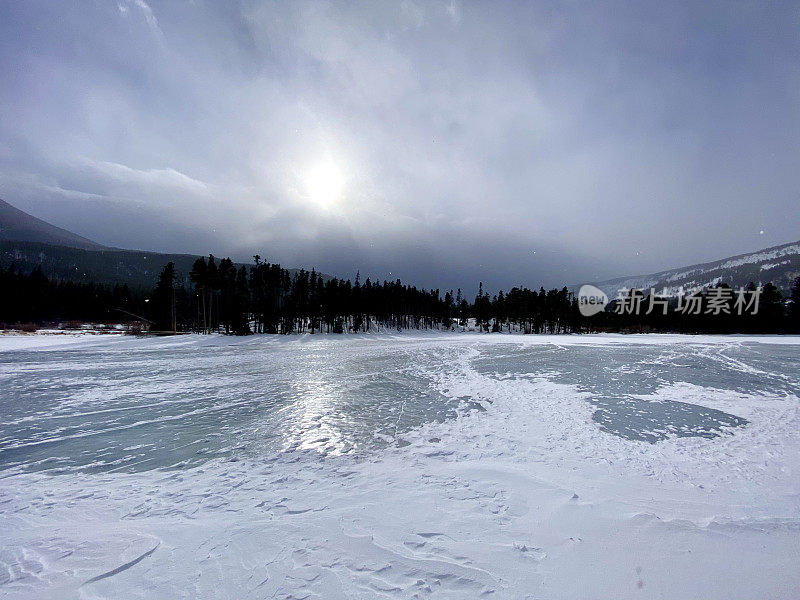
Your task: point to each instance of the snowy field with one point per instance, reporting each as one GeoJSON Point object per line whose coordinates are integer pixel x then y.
{"type": "Point", "coordinates": [409, 466]}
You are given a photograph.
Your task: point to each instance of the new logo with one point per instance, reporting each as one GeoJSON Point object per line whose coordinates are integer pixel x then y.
{"type": "Point", "coordinates": [591, 300]}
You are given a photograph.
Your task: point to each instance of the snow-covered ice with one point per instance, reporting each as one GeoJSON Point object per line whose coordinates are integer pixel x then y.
{"type": "Point", "coordinates": [408, 466]}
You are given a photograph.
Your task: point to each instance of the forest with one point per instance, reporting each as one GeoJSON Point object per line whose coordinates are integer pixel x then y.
{"type": "Point", "coordinates": [221, 297]}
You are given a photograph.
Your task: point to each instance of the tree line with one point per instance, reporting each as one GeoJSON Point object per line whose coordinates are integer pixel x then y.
{"type": "Point", "coordinates": [220, 296]}
{"type": "Point", "coordinates": [266, 298]}
{"type": "Point", "coordinates": [710, 310]}
{"type": "Point", "coordinates": [33, 298]}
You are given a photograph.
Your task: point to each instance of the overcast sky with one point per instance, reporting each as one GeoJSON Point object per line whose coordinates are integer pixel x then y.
{"type": "Point", "coordinates": [441, 142]}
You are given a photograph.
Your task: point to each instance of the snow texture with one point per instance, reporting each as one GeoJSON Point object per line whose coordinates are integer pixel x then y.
{"type": "Point", "coordinates": [520, 493]}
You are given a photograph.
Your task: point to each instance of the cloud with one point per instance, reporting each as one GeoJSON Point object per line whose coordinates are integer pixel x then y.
{"type": "Point", "coordinates": [147, 13]}
{"type": "Point", "coordinates": [468, 135]}
{"type": "Point", "coordinates": [166, 179]}
{"type": "Point", "coordinates": [454, 10]}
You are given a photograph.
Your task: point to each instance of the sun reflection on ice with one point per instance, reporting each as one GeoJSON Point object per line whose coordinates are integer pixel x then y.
{"type": "Point", "coordinates": [313, 426]}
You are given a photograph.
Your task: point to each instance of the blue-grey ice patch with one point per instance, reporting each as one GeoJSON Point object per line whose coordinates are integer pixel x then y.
{"type": "Point", "coordinates": [618, 376]}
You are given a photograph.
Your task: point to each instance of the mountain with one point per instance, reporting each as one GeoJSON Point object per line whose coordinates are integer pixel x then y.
{"type": "Point", "coordinates": [19, 226]}
{"type": "Point", "coordinates": [27, 243]}
{"type": "Point", "coordinates": [779, 265]}
{"type": "Point", "coordinates": [106, 265]}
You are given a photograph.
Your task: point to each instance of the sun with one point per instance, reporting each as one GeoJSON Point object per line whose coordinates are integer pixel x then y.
{"type": "Point", "coordinates": [325, 183]}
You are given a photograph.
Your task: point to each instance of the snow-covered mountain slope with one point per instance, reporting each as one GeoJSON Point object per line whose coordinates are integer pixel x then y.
{"type": "Point", "coordinates": [779, 265]}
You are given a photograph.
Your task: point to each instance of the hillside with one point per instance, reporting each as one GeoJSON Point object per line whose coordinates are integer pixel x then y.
{"type": "Point", "coordinates": [27, 242]}
{"type": "Point", "coordinates": [109, 266]}
{"type": "Point", "coordinates": [779, 265]}
{"type": "Point", "coordinates": [19, 226]}
{"type": "Point", "coordinates": [136, 268]}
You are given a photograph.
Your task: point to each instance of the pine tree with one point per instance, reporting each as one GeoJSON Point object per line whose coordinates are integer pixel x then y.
{"type": "Point", "coordinates": [163, 301]}
{"type": "Point", "coordinates": [199, 277]}
{"type": "Point", "coordinates": [794, 307]}
{"type": "Point", "coordinates": [771, 308]}
{"type": "Point", "coordinates": [212, 288]}
{"type": "Point", "coordinates": [241, 301]}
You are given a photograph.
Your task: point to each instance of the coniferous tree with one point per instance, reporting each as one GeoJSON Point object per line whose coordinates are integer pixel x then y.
{"type": "Point", "coordinates": [771, 309]}
{"type": "Point", "coordinates": [794, 307]}
{"type": "Point", "coordinates": [163, 300]}
{"type": "Point", "coordinates": [199, 277]}
{"type": "Point", "coordinates": [212, 289]}
{"type": "Point", "coordinates": [240, 323]}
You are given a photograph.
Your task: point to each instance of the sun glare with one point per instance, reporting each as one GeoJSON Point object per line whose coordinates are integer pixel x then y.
{"type": "Point", "coordinates": [325, 183]}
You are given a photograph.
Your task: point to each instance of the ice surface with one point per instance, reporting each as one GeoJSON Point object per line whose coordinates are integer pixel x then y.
{"type": "Point", "coordinates": [447, 466]}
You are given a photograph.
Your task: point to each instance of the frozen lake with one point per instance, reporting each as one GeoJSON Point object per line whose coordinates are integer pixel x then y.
{"type": "Point", "coordinates": [400, 466]}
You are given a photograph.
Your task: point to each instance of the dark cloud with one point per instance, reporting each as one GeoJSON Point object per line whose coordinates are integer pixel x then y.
{"type": "Point", "coordinates": [513, 143]}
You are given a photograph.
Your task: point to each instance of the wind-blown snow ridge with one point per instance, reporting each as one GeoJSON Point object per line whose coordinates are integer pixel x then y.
{"type": "Point", "coordinates": [124, 567]}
